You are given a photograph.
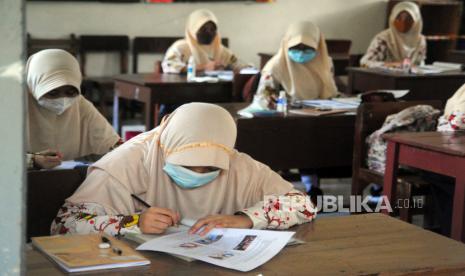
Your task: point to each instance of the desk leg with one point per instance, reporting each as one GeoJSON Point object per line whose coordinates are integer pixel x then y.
{"type": "Point", "coordinates": [390, 174]}
{"type": "Point", "coordinates": [458, 213]}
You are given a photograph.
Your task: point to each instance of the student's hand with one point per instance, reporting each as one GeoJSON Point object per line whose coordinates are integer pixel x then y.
{"type": "Point", "coordinates": [47, 159]}
{"type": "Point", "coordinates": [220, 221]}
{"type": "Point", "coordinates": [156, 220]}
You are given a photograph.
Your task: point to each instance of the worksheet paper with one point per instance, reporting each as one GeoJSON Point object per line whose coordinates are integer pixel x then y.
{"type": "Point", "coordinates": [239, 249]}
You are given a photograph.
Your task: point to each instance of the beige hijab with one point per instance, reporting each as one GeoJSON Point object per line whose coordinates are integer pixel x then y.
{"type": "Point", "coordinates": [80, 130]}
{"type": "Point", "coordinates": [456, 102]}
{"type": "Point", "coordinates": [404, 45]}
{"type": "Point", "coordinates": [205, 53]}
{"type": "Point", "coordinates": [311, 80]}
{"type": "Point", "coordinates": [196, 134]}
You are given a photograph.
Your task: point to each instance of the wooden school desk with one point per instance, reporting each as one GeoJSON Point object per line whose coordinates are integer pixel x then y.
{"type": "Point", "coordinates": [46, 193]}
{"type": "Point", "coordinates": [438, 152]}
{"type": "Point", "coordinates": [370, 244]}
{"type": "Point", "coordinates": [422, 87]}
{"type": "Point", "coordinates": [154, 89]}
{"type": "Point", "coordinates": [296, 141]}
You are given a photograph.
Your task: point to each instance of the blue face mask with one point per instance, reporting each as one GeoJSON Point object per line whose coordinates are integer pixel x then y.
{"type": "Point", "coordinates": [189, 179]}
{"type": "Point", "coordinates": [301, 56]}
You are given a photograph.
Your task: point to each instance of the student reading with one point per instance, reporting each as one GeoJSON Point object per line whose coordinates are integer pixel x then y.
{"type": "Point", "coordinates": [59, 117]}
{"type": "Point", "coordinates": [302, 66]}
{"type": "Point", "coordinates": [203, 41]}
{"type": "Point", "coordinates": [185, 168]}
{"type": "Point", "coordinates": [403, 39]}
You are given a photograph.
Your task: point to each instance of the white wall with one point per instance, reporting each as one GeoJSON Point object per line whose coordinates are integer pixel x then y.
{"type": "Point", "coordinates": [251, 27]}
{"type": "Point", "coordinates": [12, 219]}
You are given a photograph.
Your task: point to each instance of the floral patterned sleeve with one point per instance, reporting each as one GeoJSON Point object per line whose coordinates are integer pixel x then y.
{"type": "Point", "coordinates": [85, 218]}
{"type": "Point", "coordinates": [453, 122]}
{"type": "Point", "coordinates": [281, 212]}
{"type": "Point", "coordinates": [174, 61]}
{"type": "Point", "coordinates": [376, 54]}
{"type": "Point", "coordinates": [267, 85]}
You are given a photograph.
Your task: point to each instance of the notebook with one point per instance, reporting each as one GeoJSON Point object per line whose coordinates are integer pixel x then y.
{"type": "Point", "coordinates": [77, 253]}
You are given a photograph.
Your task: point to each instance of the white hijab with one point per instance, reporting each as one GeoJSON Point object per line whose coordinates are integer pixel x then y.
{"type": "Point", "coordinates": [404, 45]}
{"type": "Point", "coordinates": [310, 80]}
{"type": "Point", "coordinates": [80, 130]}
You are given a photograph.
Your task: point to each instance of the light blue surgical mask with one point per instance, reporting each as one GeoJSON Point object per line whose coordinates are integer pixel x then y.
{"type": "Point", "coordinates": [189, 179]}
{"type": "Point", "coordinates": [301, 56]}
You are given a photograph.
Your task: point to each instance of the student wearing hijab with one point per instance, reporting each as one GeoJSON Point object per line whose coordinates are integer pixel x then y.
{"type": "Point", "coordinates": [62, 124]}
{"type": "Point", "coordinates": [403, 39]}
{"type": "Point", "coordinates": [454, 114]}
{"type": "Point", "coordinates": [203, 41]}
{"type": "Point", "coordinates": [302, 66]}
{"type": "Point", "coordinates": [185, 168]}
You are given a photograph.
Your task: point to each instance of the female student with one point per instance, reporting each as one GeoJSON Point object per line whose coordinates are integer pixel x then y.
{"type": "Point", "coordinates": [403, 39]}
{"type": "Point", "coordinates": [203, 42]}
{"type": "Point", "coordinates": [185, 168]}
{"type": "Point", "coordinates": [454, 114]}
{"type": "Point", "coordinates": [302, 66]}
{"type": "Point", "coordinates": [59, 117]}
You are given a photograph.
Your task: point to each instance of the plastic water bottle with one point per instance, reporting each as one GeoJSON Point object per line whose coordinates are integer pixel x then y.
{"type": "Point", "coordinates": [191, 69]}
{"type": "Point", "coordinates": [281, 106]}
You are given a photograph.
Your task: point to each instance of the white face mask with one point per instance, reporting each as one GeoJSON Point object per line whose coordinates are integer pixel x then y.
{"type": "Point", "coordinates": [58, 106]}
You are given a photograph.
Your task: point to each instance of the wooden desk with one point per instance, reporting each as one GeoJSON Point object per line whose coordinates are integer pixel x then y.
{"type": "Point", "coordinates": [296, 141]}
{"type": "Point", "coordinates": [154, 89]}
{"type": "Point", "coordinates": [340, 61]}
{"type": "Point", "coordinates": [422, 87]}
{"type": "Point", "coordinates": [438, 152]}
{"type": "Point", "coordinates": [370, 244]}
{"type": "Point", "coordinates": [46, 193]}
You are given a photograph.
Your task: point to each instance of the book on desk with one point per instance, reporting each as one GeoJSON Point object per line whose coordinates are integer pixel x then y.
{"type": "Point", "coordinates": [78, 253]}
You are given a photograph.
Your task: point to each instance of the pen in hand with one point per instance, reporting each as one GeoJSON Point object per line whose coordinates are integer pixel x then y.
{"type": "Point", "coordinates": [148, 206]}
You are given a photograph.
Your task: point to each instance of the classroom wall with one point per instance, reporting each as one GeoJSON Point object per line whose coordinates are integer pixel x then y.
{"type": "Point", "coordinates": [251, 27]}
{"type": "Point", "coordinates": [12, 219]}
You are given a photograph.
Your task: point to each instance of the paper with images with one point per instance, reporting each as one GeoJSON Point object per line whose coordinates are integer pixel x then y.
{"type": "Point", "coordinates": [239, 249]}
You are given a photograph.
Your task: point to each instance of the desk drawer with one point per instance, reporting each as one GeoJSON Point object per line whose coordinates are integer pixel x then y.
{"type": "Point", "coordinates": [132, 91]}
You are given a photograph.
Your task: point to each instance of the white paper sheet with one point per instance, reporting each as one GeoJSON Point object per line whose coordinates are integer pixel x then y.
{"type": "Point", "coordinates": [239, 249]}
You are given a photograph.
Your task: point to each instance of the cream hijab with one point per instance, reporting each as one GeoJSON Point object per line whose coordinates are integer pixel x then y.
{"type": "Point", "coordinates": [311, 80]}
{"type": "Point", "coordinates": [205, 53]}
{"type": "Point", "coordinates": [196, 134]}
{"type": "Point", "coordinates": [404, 45]}
{"type": "Point", "coordinates": [78, 131]}
{"type": "Point", "coordinates": [456, 102]}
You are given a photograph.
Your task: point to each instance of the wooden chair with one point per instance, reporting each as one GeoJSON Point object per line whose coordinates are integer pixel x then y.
{"type": "Point", "coordinates": [339, 50]}
{"type": "Point", "coordinates": [46, 193]}
{"type": "Point", "coordinates": [35, 45]}
{"type": "Point", "coordinates": [154, 45]}
{"type": "Point", "coordinates": [370, 117]}
{"type": "Point", "coordinates": [104, 86]}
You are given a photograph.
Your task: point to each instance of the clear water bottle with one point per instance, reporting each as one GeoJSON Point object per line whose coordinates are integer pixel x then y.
{"type": "Point", "coordinates": [191, 69]}
{"type": "Point", "coordinates": [281, 106]}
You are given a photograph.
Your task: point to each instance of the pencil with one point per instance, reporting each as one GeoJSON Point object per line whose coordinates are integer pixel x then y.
{"type": "Point", "coordinates": [141, 201]}
{"type": "Point", "coordinates": [146, 204]}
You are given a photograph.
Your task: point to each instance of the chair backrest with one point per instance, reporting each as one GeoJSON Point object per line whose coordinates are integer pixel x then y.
{"type": "Point", "coordinates": [46, 193]}
{"type": "Point", "coordinates": [104, 44]}
{"type": "Point", "coordinates": [338, 46]}
{"type": "Point", "coordinates": [370, 117]}
{"type": "Point", "coordinates": [239, 83]}
{"type": "Point", "coordinates": [35, 45]}
{"type": "Point", "coordinates": [155, 45]}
